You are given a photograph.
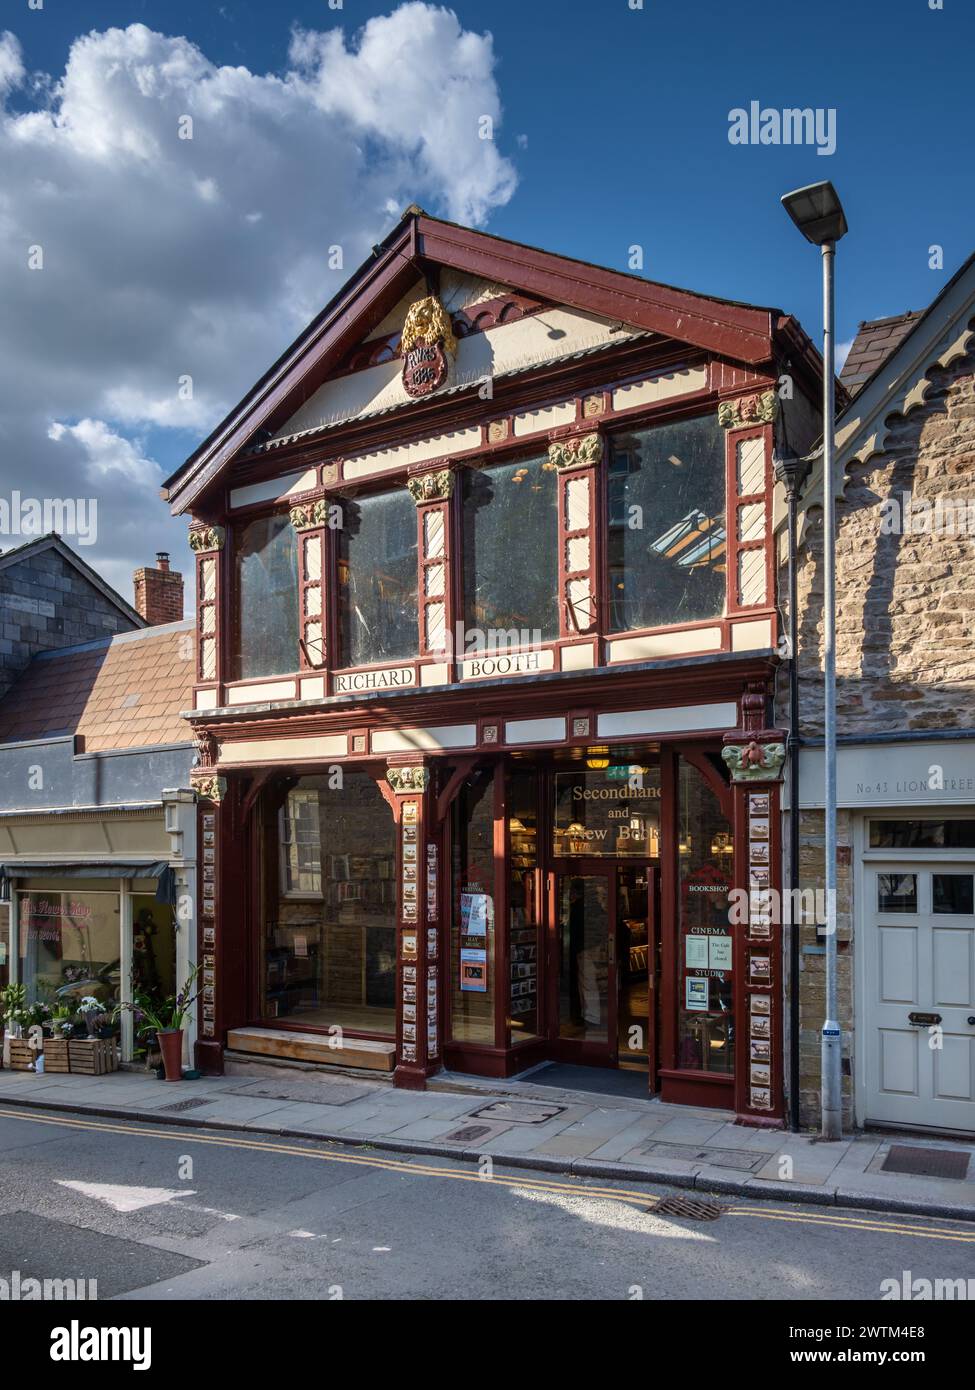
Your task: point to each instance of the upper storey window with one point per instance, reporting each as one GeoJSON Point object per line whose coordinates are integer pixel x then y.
{"type": "Point", "coordinates": [378, 579]}
{"type": "Point", "coordinates": [667, 538]}
{"type": "Point", "coordinates": [266, 610]}
{"type": "Point", "coordinates": [511, 551]}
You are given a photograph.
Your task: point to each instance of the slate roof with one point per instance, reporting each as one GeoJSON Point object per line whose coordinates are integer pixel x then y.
{"type": "Point", "coordinates": [876, 339]}
{"type": "Point", "coordinates": [124, 692]}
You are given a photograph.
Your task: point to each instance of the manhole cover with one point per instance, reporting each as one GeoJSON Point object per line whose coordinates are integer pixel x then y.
{"type": "Point", "coordinates": [518, 1112]}
{"type": "Point", "coordinates": [687, 1206]}
{"type": "Point", "coordinates": [718, 1158]}
{"type": "Point", "coordinates": [926, 1163]}
{"type": "Point", "coordinates": [311, 1092]}
{"type": "Point", "coordinates": [192, 1104]}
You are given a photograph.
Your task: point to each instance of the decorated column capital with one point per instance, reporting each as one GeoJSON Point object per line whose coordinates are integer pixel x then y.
{"type": "Point", "coordinates": [206, 538]}
{"type": "Point", "coordinates": [210, 788]}
{"type": "Point", "coordinates": [578, 451]}
{"type": "Point", "coordinates": [748, 410]}
{"type": "Point", "coordinates": [754, 761]}
{"type": "Point", "coordinates": [305, 515]}
{"type": "Point", "coordinates": [431, 487]}
{"type": "Point", "coordinates": [406, 780]}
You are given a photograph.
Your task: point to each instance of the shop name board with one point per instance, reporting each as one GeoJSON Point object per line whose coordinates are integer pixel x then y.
{"type": "Point", "coordinates": [388, 678]}
{"type": "Point", "coordinates": [515, 664]}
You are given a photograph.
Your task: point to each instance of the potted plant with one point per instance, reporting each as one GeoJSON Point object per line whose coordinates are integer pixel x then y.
{"type": "Point", "coordinates": [92, 1011]}
{"type": "Point", "coordinates": [166, 1020]}
{"type": "Point", "coordinates": [16, 1017]}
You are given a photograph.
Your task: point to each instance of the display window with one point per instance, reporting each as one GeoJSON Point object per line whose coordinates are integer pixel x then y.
{"type": "Point", "coordinates": [705, 984]}
{"type": "Point", "coordinates": [472, 933]}
{"type": "Point", "coordinates": [70, 946]}
{"type": "Point", "coordinates": [329, 944]}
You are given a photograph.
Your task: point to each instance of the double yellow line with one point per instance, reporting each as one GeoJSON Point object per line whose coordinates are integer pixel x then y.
{"type": "Point", "coordinates": [647, 1201]}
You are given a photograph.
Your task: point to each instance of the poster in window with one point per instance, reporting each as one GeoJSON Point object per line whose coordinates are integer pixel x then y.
{"type": "Point", "coordinates": [695, 994]}
{"type": "Point", "coordinates": [473, 970]}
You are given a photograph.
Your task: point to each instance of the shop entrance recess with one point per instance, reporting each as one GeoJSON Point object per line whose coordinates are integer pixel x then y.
{"type": "Point", "coordinates": [603, 963]}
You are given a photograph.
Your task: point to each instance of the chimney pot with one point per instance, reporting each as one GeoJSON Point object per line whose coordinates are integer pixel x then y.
{"type": "Point", "coordinates": [162, 559]}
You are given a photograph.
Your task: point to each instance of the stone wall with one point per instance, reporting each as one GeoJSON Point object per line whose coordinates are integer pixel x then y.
{"type": "Point", "coordinates": [46, 603]}
{"type": "Point", "coordinates": [905, 646]}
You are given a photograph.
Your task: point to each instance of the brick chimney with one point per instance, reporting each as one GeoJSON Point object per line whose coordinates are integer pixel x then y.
{"type": "Point", "coordinates": [159, 592]}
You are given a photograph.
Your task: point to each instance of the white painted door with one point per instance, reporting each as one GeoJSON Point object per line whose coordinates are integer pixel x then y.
{"type": "Point", "coordinates": [919, 959]}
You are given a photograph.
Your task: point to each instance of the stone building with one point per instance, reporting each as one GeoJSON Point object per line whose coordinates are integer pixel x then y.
{"type": "Point", "coordinates": [905, 659]}
{"type": "Point", "coordinates": [50, 598]}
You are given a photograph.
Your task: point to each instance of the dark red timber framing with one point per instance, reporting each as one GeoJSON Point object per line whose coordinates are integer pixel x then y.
{"type": "Point", "coordinates": [682, 705]}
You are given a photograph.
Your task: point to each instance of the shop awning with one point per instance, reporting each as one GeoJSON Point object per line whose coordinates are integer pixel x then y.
{"type": "Point", "coordinates": [52, 868]}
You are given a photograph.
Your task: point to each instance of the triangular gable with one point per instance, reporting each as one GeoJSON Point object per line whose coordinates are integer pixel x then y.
{"type": "Point", "coordinates": [939, 337]}
{"type": "Point", "coordinates": [53, 541]}
{"type": "Point", "coordinates": [599, 301]}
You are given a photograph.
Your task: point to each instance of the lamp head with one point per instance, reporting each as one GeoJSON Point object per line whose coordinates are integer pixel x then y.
{"type": "Point", "coordinates": [817, 212]}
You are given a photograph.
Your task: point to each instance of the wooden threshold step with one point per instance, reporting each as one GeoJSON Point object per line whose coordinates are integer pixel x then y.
{"type": "Point", "coordinates": [313, 1047]}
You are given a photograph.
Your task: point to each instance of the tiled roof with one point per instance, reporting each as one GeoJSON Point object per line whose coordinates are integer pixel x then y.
{"type": "Point", "coordinates": [876, 339]}
{"type": "Point", "coordinates": [125, 692]}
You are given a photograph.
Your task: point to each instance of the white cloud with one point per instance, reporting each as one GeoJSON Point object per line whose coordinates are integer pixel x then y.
{"type": "Point", "coordinates": [167, 260]}
{"type": "Point", "coordinates": [11, 62]}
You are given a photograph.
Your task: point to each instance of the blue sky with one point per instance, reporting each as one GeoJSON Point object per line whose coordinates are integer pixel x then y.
{"type": "Point", "coordinates": [615, 123]}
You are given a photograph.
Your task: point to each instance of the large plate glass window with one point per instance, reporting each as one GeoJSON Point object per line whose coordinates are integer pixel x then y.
{"type": "Point", "coordinates": [511, 553]}
{"type": "Point", "coordinates": [705, 1006]}
{"type": "Point", "coordinates": [266, 607]}
{"type": "Point", "coordinates": [472, 932]}
{"type": "Point", "coordinates": [378, 579]}
{"type": "Point", "coordinates": [330, 927]}
{"type": "Point", "coordinates": [666, 519]}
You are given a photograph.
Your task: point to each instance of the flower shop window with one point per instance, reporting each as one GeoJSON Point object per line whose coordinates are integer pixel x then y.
{"type": "Point", "coordinates": [377, 574]}
{"type": "Point", "coordinates": [511, 553]}
{"type": "Point", "coordinates": [70, 945]}
{"type": "Point", "coordinates": [266, 599]}
{"type": "Point", "coordinates": [667, 541]}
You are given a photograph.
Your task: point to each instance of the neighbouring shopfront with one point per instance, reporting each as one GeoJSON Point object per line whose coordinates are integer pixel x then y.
{"type": "Point", "coordinates": [905, 928]}
{"type": "Point", "coordinates": [81, 924]}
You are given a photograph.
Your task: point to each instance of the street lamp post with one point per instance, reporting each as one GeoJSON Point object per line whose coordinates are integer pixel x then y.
{"type": "Point", "coordinates": [818, 213]}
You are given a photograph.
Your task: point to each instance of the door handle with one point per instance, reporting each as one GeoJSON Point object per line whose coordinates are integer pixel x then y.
{"type": "Point", "coordinates": [971, 1020]}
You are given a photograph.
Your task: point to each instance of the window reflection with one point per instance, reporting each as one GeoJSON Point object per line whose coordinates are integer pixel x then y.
{"type": "Point", "coordinates": [266, 609]}
{"type": "Point", "coordinates": [510, 518]}
{"type": "Point", "coordinates": [378, 579]}
{"type": "Point", "coordinates": [667, 541]}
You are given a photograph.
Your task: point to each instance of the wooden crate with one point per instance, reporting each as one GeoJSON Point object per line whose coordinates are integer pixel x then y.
{"type": "Point", "coordinates": [92, 1056]}
{"type": "Point", "coordinates": [21, 1055]}
{"type": "Point", "coordinates": [56, 1054]}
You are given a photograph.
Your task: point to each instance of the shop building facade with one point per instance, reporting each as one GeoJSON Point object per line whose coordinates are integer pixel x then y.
{"type": "Point", "coordinates": [98, 854]}
{"type": "Point", "coordinates": [906, 726]}
{"type": "Point", "coordinates": [486, 644]}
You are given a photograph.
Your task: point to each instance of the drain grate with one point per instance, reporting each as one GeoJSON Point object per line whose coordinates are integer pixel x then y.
{"type": "Point", "coordinates": [192, 1104]}
{"type": "Point", "coordinates": [926, 1163]}
{"type": "Point", "coordinates": [687, 1206]}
